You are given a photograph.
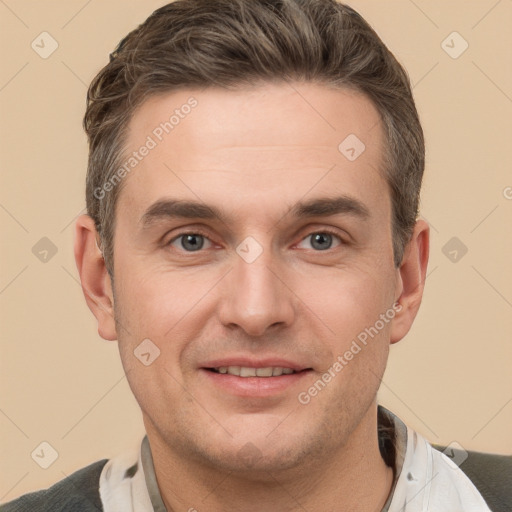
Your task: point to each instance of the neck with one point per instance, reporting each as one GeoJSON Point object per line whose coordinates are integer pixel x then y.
{"type": "Point", "coordinates": [354, 477]}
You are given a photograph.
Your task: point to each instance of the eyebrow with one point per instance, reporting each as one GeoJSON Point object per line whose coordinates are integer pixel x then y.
{"type": "Point", "coordinates": [321, 207]}
{"type": "Point", "coordinates": [176, 208]}
{"type": "Point", "coordinates": [331, 206]}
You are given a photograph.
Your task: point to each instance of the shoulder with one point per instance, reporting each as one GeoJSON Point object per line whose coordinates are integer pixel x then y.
{"type": "Point", "coordinates": [78, 492]}
{"type": "Point", "coordinates": [489, 473]}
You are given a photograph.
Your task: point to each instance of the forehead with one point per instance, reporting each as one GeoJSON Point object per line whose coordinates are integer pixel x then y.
{"type": "Point", "coordinates": [267, 145]}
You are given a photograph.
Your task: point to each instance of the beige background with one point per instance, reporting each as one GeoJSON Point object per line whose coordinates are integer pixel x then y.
{"type": "Point", "coordinates": [61, 383]}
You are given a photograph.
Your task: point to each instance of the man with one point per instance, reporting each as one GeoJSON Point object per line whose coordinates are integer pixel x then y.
{"type": "Point", "coordinates": [252, 243]}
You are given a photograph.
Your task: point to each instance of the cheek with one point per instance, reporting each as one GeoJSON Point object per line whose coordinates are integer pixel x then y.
{"type": "Point", "coordinates": [350, 305]}
{"type": "Point", "coordinates": [169, 307]}
{"type": "Point", "coordinates": [153, 302]}
{"type": "Point", "coordinates": [348, 301]}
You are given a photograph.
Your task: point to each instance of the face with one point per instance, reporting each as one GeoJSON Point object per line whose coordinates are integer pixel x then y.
{"type": "Point", "coordinates": [247, 242]}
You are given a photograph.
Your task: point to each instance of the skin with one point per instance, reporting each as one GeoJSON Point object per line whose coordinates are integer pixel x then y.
{"type": "Point", "coordinates": [253, 154]}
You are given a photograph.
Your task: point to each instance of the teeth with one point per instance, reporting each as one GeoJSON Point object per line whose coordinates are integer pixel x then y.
{"type": "Point", "coordinates": [234, 370]}
{"type": "Point", "coordinates": [247, 372]}
{"type": "Point", "coordinates": [264, 372]}
{"type": "Point", "coordinates": [244, 371]}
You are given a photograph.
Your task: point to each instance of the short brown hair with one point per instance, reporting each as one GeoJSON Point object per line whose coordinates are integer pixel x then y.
{"type": "Point", "coordinates": [232, 43]}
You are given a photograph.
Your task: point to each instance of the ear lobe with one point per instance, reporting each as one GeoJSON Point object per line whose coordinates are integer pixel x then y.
{"type": "Point", "coordinates": [411, 277]}
{"type": "Point", "coordinates": [95, 280]}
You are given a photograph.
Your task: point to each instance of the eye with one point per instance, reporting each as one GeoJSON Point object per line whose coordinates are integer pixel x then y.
{"type": "Point", "coordinates": [190, 242]}
{"type": "Point", "coordinates": [321, 240]}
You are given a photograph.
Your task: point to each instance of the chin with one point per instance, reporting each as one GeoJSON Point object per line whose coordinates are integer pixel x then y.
{"type": "Point", "coordinates": [261, 451]}
{"type": "Point", "coordinates": [249, 460]}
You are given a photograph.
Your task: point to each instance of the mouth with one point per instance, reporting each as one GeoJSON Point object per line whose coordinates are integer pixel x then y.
{"type": "Point", "coordinates": [247, 371]}
{"type": "Point", "coordinates": [260, 380]}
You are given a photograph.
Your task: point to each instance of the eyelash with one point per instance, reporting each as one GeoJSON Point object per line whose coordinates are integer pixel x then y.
{"type": "Point", "coordinates": [327, 231]}
{"type": "Point", "coordinates": [185, 233]}
{"type": "Point", "coordinates": [203, 234]}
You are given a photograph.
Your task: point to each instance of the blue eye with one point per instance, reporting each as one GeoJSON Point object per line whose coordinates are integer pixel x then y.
{"type": "Point", "coordinates": [321, 240]}
{"type": "Point", "coordinates": [194, 242]}
{"type": "Point", "coordinates": [189, 242]}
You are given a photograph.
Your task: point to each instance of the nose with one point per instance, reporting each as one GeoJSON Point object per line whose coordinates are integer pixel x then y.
{"type": "Point", "coordinates": [256, 296]}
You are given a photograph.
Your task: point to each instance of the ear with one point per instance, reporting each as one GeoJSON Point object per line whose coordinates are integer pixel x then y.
{"type": "Point", "coordinates": [96, 283]}
{"type": "Point", "coordinates": [411, 280]}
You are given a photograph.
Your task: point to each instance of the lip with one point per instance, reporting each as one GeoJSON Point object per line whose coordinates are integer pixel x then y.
{"type": "Point", "coordinates": [254, 387]}
{"type": "Point", "coordinates": [255, 363]}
